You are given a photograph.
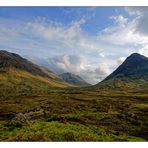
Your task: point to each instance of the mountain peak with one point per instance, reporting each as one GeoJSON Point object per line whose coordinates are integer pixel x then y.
{"type": "Point", "coordinates": [134, 69]}
{"type": "Point", "coordinates": [73, 79]}
{"type": "Point", "coordinates": [135, 66]}
{"type": "Point", "coordinates": [134, 60]}
{"type": "Point", "coordinates": [136, 56]}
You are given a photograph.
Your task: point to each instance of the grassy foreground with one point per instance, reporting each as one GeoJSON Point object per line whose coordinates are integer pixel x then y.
{"type": "Point", "coordinates": [57, 131]}
{"type": "Point", "coordinates": [76, 115]}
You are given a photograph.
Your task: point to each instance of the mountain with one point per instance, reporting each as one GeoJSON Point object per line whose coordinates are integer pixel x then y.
{"type": "Point", "coordinates": [11, 60]}
{"type": "Point", "coordinates": [73, 79]}
{"type": "Point", "coordinates": [18, 76]}
{"type": "Point", "coordinates": [132, 73]}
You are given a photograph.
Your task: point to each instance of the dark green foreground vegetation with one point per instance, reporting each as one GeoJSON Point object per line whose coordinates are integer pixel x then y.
{"type": "Point", "coordinates": [76, 115]}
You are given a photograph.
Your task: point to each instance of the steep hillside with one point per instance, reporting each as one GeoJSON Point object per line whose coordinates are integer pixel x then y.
{"type": "Point", "coordinates": [11, 60]}
{"type": "Point", "coordinates": [20, 77]}
{"type": "Point", "coordinates": [132, 73]}
{"type": "Point", "coordinates": [73, 79]}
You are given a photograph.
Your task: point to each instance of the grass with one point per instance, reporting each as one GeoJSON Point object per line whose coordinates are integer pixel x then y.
{"type": "Point", "coordinates": [142, 106]}
{"type": "Point", "coordinates": [56, 131]}
{"type": "Point", "coordinates": [20, 83]}
{"type": "Point", "coordinates": [39, 108]}
{"type": "Point", "coordinates": [57, 112]}
{"type": "Point", "coordinates": [76, 115]}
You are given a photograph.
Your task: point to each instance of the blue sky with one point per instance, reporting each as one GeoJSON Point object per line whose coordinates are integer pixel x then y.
{"type": "Point", "coordinates": [88, 41]}
{"type": "Point", "coordinates": [65, 15]}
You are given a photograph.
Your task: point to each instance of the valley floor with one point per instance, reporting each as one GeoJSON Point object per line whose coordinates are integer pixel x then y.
{"type": "Point", "coordinates": [75, 115]}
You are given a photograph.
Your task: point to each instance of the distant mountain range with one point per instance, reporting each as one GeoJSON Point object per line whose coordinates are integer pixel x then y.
{"type": "Point", "coordinates": [132, 73]}
{"type": "Point", "coordinates": [20, 77]}
{"type": "Point", "coordinates": [73, 79]}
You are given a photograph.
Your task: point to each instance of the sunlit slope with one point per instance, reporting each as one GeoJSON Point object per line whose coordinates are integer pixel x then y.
{"type": "Point", "coordinates": [16, 82]}
{"type": "Point", "coordinates": [19, 77]}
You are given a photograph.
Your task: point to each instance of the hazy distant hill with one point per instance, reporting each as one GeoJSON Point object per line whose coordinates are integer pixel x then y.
{"type": "Point", "coordinates": [73, 79]}
{"type": "Point", "coordinates": [18, 76]}
{"type": "Point", "coordinates": [132, 73]}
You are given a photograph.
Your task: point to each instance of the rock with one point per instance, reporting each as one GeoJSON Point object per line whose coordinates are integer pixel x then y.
{"type": "Point", "coordinates": [34, 115]}
{"type": "Point", "coordinates": [19, 120]}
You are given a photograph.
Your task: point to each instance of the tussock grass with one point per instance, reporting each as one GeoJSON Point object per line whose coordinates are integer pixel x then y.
{"type": "Point", "coordinates": [78, 115]}
{"type": "Point", "coordinates": [56, 131]}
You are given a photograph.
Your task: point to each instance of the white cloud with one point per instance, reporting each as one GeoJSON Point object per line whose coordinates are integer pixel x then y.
{"type": "Point", "coordinates": [121, 33]}
{"type": "Point", "coordinates": [120, 60]}
{"type": "Point", "coordinates": [144, 50]}
{"type": "Point", "coordinates": [141, 23]}
{"type": "Point", "coordinates": [53, 30]}
{"type": "Point", "coordinates": [42, 37]}
{"type": "Point", "coordinates": [101, 54]}
{"type": "Point", "coordinates": [80, 65]}
{"type": "Point", "coordinates": [126, 35]}
{"type": "Point", "coordinates": [70, 36]}
{"type": "Point", "coordinates": [121, 20]}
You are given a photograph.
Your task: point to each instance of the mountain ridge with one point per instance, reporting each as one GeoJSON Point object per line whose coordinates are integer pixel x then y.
{"type": "Point", "coordinates": [20, 77]}
{"type": "Point", "coordinates": [133, 72]}
{"type": "Point", "coordinates": [73, 79]}
{"type": "Point", "coordinates": [12, 60]}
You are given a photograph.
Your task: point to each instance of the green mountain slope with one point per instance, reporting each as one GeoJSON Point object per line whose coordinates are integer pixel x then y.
{"type": "Point", "coordinates": [132, 73]}
{"type": "Point", "coordinates": [20, 77]}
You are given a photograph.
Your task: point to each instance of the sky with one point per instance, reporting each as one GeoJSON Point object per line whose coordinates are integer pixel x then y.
{"type": "Point", "coordinates": [88, 41]}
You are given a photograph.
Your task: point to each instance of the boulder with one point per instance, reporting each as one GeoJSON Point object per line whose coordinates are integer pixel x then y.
{"type": "Point", "coordinates": [19, 120]}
